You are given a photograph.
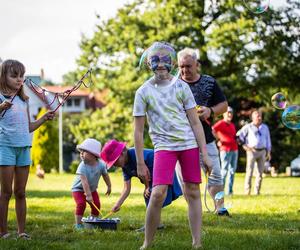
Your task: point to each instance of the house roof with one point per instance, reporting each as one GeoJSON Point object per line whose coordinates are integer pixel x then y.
{"type": "Point", "coordinates": [59, 89]}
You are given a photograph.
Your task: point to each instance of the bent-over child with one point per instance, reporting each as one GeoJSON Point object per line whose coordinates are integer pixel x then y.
{"type": "Point", "coordinates": [115, 153]}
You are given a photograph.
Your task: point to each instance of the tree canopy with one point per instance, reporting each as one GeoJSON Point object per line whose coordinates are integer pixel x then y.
{"type": "Point", "coordinates": [252, 56]}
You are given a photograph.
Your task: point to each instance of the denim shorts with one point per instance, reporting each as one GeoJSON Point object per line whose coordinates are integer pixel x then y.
{"type": "Point", "coordinates": [15, 156]}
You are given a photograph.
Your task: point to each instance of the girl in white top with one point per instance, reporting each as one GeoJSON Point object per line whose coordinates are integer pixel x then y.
{"type": "Point", "coordinates": [176, 134]}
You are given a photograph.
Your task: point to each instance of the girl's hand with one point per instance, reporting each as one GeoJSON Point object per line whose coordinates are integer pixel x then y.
{"type": "Point", "coordinates": [116, 208]}
{"type": "Point", "coordinates": [108, 191]}
{"type": "Point", "coordinates": [207, 163]}
{"type": "Point", "coordinates": [147, 193]}
{"type": "Point", "coordinates": [89, 198]}
{"type": "Point", "coordinates": [6, 105]}
{"type": "Point", "coordinates": [49, 115]}
{"type": "Point", "coordinates": [143, 172]}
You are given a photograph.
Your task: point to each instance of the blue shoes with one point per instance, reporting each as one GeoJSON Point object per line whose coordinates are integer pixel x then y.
{"type": "Point", "coordinates": [223, 212]}
{"type": "Point", "coordinates": [78, 226]}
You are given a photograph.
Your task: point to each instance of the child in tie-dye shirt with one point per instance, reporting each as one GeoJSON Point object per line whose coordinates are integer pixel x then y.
{"type": "Point", "coordinates": [176, 133]}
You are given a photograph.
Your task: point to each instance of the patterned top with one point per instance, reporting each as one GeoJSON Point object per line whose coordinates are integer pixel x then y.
{"type": "Point", "coordinates": [92, 173]}
{"type": "Point", "coordinates": [165, 108]}
{"type": "Point", "coordinates": [14, 125]}
{"type": "Point", "coordinates": [207, 93]}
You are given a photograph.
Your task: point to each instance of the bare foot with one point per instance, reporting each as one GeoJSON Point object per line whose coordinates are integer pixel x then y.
{"type": "Point", "coordinates": [197, 246]}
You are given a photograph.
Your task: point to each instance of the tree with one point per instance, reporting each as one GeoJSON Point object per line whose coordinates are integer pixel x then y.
{"type": "Point", "coordinates": [247, 53]}
{"type": "Point", "coordinates": [45, 145]}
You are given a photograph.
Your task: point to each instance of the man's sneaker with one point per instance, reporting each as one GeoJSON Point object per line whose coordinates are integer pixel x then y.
{"type": "Point", "coordinates": [223, 212]}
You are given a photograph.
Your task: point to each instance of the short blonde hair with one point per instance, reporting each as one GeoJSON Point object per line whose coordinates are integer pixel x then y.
{"type": "Point", "coordinates": [188, 52]}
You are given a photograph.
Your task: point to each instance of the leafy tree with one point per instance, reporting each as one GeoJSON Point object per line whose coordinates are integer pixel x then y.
{"type": "Point", "coordinates": [252, 56]}
{"type": "Point", "coordinates": [45, 145]}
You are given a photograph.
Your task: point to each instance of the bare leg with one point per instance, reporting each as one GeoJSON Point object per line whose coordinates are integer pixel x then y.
{"type": "Point", "coordinates": [192, 195]}
{"type": "Point", "coordinates": [153, 213]}
{"type": "Point", "coordinates": [78, 219]}
{"type": "Point", "coordinates": [6, 179]}
{"type": "Point", "coordinates": [20, 181]}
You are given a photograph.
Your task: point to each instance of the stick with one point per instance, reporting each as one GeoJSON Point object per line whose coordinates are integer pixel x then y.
{"type": "Point", "coordinates": [96, 208]}
{"type": "Point", "coordinates": [109, 214]}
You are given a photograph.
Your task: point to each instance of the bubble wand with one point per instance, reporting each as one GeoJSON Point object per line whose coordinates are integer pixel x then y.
{"type": "Point", "coordinates": [58, 97]}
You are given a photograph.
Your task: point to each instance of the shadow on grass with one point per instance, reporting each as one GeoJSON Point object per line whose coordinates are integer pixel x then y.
{"type": "Point", "coordinates": [59, 194]}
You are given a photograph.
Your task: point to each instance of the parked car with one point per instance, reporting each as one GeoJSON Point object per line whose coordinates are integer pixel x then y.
{"type": "Point", "coordinates": [295, 166]}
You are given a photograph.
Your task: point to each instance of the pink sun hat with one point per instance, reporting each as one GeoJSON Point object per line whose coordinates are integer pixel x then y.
{"type": "Point", "coordinates": [111, 152]}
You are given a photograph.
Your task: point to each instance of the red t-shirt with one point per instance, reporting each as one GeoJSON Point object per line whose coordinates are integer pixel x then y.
{"type": "Point", "coordinates": [226, 133]}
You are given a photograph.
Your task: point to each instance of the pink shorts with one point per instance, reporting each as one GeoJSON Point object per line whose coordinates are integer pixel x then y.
{"type": "Point", "coordinates": [165, 162]}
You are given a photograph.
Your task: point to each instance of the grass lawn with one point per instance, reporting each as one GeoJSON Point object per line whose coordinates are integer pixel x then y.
{"type": "Point", "coordinates": [268, 221]}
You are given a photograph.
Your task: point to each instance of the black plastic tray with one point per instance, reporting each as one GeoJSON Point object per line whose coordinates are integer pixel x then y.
{"type": "Point", "coordinates": [108, 224]}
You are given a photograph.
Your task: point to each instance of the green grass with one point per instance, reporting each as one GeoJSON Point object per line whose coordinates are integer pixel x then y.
{"type": "Point", "coordinates": [268, 221]}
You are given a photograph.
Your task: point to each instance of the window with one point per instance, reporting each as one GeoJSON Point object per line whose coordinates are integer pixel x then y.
{"type": "Point", "coordinates": [77, 102]}
{"type": "Point", "coordinates": [69, 103]}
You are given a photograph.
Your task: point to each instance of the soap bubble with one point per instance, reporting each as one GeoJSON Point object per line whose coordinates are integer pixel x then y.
{"type": "Point", "coordinates": [219, 195]}
{"type": "Point", "coordinates": [279, 101]}
{"type": "Point", "coordinates": [257, 6]}
{"type": "Point", "coordinates": [159, 52]}
{"type": "Point", "coordinates": [291, 117]}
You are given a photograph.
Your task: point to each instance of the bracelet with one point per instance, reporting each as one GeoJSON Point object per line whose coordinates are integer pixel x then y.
{"type": "Point", "coordinates": [212, 113]}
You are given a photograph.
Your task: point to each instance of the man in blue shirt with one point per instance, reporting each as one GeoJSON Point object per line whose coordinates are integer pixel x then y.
{"type": "Point", "coordinates": [256, 140]}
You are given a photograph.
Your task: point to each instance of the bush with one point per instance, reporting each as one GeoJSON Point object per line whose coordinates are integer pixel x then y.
{"type": "Point", "coordinates": [45, 145]}
{"type": "Point", "coordinates": [73, 166]}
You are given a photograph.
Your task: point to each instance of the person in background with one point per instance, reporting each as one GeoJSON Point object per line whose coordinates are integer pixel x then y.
{"type": "Point", "coordinates": [225, 133]}
{"type": "Point", "coordinates": [211, 102]}
{"type": "Point", "coordinates": [256, 141]}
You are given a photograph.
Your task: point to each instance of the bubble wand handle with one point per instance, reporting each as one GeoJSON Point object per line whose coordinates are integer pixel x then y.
{"type": "Point", "coordinates": [96, 208]}
{"type": "Point", "coordinates": [106, 216]}
{"type": "Point", "coordinates": [13, 98]}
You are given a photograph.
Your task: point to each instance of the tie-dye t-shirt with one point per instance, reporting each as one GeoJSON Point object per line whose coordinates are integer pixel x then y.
{"type": "Point", "coordinates": [165, 108]}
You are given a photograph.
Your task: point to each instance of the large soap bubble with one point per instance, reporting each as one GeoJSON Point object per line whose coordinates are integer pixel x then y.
{"type": "Point", "coordinates": [291, 117]}
{"type": "Point", "coordinates": [159, 52]}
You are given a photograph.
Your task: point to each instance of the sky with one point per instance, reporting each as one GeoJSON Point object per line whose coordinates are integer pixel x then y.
{"type": "Point", "coordinates": [46, 33]}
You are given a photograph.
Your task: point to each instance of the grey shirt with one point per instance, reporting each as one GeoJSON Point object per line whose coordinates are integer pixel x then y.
{"type": "Point", "coordinates": [92, 173]}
